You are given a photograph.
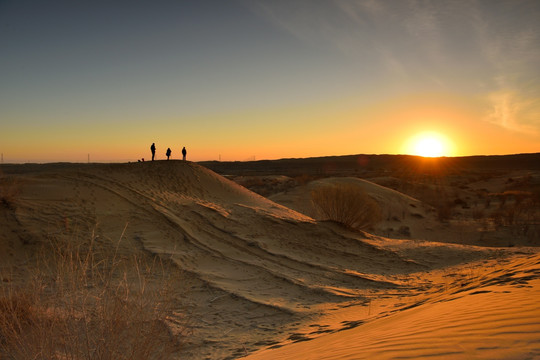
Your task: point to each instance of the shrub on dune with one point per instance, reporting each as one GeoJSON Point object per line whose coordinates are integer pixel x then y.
{"type": "Point", "coordinates": [346, 204]}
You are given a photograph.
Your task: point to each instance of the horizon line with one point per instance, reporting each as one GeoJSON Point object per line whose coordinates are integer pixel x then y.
{"type": "Point", "coordinates": [247, 161]}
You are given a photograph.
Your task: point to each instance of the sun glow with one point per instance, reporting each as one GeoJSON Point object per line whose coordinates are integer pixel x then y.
{"type": "Point", "coordinates": [429, 145]}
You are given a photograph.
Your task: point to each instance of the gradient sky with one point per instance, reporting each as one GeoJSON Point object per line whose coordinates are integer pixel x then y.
{"type": "Point", "coordinates": [266, 79]}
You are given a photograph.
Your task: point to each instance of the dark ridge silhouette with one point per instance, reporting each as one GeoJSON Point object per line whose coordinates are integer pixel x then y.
{"type": "Point", "coordinates": [359, 164]}
{"type": "Point", "coordinates": [329, 165]}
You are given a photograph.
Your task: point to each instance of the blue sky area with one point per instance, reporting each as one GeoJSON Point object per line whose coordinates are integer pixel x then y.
{"type": "Point", "coordinates": [260, 79]}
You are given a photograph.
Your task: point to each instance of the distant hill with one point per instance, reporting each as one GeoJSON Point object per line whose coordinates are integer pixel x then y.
{"type": "Point", "coordinates": [358, 164]}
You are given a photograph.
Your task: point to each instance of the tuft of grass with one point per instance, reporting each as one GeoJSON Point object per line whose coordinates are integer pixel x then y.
{"type": "Point", "coordinates": [10, 189]}
{"type": "Point", "coordinates": [444, 211]}
{"type": "Point", "coordinates": [86, 303]}
{"type": "Point", "coordinates": [404, 231]}
{"type": "Point", "coordinates": [346, 204]}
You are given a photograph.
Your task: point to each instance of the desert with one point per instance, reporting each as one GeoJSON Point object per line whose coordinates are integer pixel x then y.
{"type": "Point", "coordinates": [181, 260]}
{"type": "Point", "coordinates": [262, 179]}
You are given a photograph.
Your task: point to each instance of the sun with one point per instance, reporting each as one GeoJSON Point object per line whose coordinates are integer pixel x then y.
{"type": "Point", "coordinates": [429, 144]}
{"type": "Point", "coordinates": [429, 147]}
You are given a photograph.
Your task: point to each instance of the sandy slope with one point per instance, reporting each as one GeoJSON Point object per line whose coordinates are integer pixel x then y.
{"type": "Point", "coordinates": [493, 315]}
{"type": "Point", "coordinates": [255, 272]}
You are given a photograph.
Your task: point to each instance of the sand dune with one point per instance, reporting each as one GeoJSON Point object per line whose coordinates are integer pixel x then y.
{"type": "Point", "coordinates": [401, 215]}
{"type": "Point", "coordinates": [404, 217]}
{"type": "Point", "coordinates": [493, 315]}
{"type": "Point", "coordinates": [256, 272]}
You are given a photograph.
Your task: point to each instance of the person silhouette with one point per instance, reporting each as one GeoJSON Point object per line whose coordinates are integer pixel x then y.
{"type": "Point", "coordinates": [168, 153]}
{"type": "Point", "coordinates": [184, 152]}
{"type": "Point", "coordinates": [153, 149]}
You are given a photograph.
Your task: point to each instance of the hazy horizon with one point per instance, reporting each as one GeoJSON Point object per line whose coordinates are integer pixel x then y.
{"type": "Point", "coordinates": [242, 80]}
{"type": "Point", "coordinates": [164, 158]}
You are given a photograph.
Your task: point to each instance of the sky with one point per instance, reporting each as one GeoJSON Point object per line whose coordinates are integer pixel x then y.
{"type": "Point", "coordinates": [236, 80]}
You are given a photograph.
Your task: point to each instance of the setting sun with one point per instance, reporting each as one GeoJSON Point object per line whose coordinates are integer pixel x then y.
{"type": "Point", "coordinates": [429, 147]}
{"type": "Point", "coordinates": [429, 144]}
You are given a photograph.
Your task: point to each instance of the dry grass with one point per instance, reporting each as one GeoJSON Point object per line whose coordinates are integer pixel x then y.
{"type": "Point", "coordinates": [10, 190]}
{"type": "Point", "coordinates": [83, 304]}
{"type": "Point", "coordinates": [444, 211]}
{"type": "Point", "coordinates": [266, 185]}
{"type": "Point", "coordinates": [523, 217]}
{"type": "Point", "coordinates": [346, 204]}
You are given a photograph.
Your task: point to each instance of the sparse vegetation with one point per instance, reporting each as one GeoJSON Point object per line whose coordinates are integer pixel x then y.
{"type": "Point", "coordinates": [266, 185]}
{"type": "Point", "coordinates": [404, 231]}
{"type": "Point", "coordinates": [10, 190]}
{"type": "Point", "coordinates": [83, 304]}
{"type": "Point", "coordinates": [478, 214]}
{"type": "Point", "coordinates": [305, 179]}
{"type": "Point", "coordinates": [346, 204]}
{"type": "Point", "coordinates": [444, 211]}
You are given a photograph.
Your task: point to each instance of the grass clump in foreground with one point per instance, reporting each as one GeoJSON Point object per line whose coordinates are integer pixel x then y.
{"type": "Point", "coordinates": [10, 190]}
{"type": "Point", "coordinates": [346, 204]}
{"type": "Point", "coordinates": [88, 304]}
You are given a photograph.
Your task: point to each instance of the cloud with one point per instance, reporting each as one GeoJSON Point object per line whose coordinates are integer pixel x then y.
{"type": "Point", "coordinates": [485, 48]}
{"type": "Point", "coordinates": [512, 111]}
{"type": "Point", "coordinates": [509, 42]}
{"type": "Point", "coordinates": [411, 34]}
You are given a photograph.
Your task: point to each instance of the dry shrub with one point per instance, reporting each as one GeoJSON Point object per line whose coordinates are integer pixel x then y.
{"type": "Point", "coordinates": [444, 211]}
{"type": "Point", "coordinates": [16, 313]}
{"type": "Point", "coordinates": [304, 179]}
{"type": "Point", "coordinates": [478, 213]}
{"type": "Point", "coordinates": [346, 204]}
{"type": "Point", "coordinates": [83, 304]}
{"type": "Point", "coordinates": [266, 185]}
{"type": "Point", "coordinates": [525, 212]}
{"type": "Point", "coordinates": [10, 189]}
{"type": "Point", "coordinates": [404, 231]}
{"type": "Point", "coordinates": [521, 218]}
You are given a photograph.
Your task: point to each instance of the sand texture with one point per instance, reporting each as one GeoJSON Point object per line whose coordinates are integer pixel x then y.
{"type": "Point", "coordinates": [269, 281]}
{"type": "Point", "coordinates": [495, 315]}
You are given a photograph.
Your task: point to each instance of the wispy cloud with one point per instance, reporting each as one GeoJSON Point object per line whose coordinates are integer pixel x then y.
{"type": "Point", "coordinates": [410, 33]}
{"type": "Point", "coordinates": [511, 111]}
{"type": "Point", "coordinates": [474, 47]}
{"type": "Point", "coordinates": [509, 40]}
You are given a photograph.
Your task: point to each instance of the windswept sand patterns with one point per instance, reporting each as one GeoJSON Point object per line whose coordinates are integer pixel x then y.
{"type": "Point", "coordinates": [255, 261]}
{"type": "Point", "coordinates": [498, 318]}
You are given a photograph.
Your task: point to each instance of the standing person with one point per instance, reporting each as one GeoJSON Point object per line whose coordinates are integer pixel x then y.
{"type": "Point", "coordinates": [184, 152]}
{"type": "Point", "coordinates": [153, 149]}
{"type": "Point", "coordinates": [168, 153]}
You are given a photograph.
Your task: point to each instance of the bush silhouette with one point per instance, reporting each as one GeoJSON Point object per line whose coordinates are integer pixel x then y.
{"type": "Point", "coordinates": [346, 204]}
